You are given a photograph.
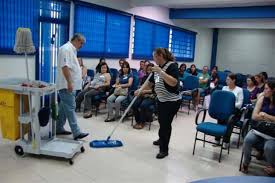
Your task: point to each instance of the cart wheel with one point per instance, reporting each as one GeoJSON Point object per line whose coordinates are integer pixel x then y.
{"type": "Point", "coordinates": [82, 149]}
{"type": "Point", "coordinates": [71, 162]}
{"type": "Point", "coordinates": [19, 150]}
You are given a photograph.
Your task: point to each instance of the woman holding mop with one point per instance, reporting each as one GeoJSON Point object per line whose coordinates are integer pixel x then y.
{"type": "Point", "coordinates": [166, 86]}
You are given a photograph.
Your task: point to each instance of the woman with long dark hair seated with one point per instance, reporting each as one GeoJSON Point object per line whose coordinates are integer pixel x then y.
{"type": "Point", "coordinates": [264, 111]}
{"type": "Point", "coordinates": [141, 106]}
{"type": "Point", "coordinates": [100, 84]}
{"type": "Point", "coordinates": [123, 83]}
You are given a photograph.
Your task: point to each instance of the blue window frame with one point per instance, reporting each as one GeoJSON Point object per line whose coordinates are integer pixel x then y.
{"type": "Point", "coordinates": [149, 35]}
{"type": "Point", "coordinates": [183, 44]}
{"type": "Point", "coordinates": [14, 14]}
{"type": "Point", "coordinates": [107, 31]}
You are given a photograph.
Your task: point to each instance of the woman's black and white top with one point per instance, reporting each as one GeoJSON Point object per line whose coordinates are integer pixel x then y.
{"type": "Point", "coordinates": [164, 91]}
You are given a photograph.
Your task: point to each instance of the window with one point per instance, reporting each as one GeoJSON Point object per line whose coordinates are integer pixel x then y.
{"type": "Point", "coordinates": [182, 44]}
{"type": "Point", "coordinates": [107, 31]}
{"type": "Point", "coordinates": [14, 14]}
{"type": "Point", "coordinates": [54, 32]}
{"type": "Point", "coordinates": [149, 35]}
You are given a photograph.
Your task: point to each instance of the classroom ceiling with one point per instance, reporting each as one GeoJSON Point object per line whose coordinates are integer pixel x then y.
{"type": "Point", "coordinates": [201, 3]}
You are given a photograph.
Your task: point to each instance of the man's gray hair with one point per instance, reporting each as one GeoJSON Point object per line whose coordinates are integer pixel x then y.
{"type": "Point", "coordinates": [78, 36]}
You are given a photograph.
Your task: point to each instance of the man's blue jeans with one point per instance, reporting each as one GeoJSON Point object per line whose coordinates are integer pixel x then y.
{"type": "Point", "coordinates": [67, 111]}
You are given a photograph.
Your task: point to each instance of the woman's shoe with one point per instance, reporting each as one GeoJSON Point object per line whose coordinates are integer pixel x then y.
{"type": "Point", "coordinates": [244, 168]}
{"type": "Point", "coordinates": [88, 114]}
{"type": "Point", "coordinates": [136, 126]}
{"type": "Point", "coordinates": [110, 120]}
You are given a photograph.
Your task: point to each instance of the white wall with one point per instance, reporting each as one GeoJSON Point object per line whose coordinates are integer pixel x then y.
{"type": "Point", "coordinates": [15, 67]}
{"type": "Point", "coordinates": [246, 50]}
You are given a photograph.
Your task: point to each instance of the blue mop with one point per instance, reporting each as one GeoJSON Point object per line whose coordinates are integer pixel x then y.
{"type": "Point", "coordinates": [117, 143]}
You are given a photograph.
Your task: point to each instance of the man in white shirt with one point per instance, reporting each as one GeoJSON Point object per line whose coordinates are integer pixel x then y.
{"type": "Point", "coordinates": [68, 80]}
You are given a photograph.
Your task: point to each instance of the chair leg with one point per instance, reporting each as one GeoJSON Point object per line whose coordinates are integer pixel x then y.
{"type": "Point", "coordinates": [221, 152]}
{"type": "Point", "coordinates": [203, 140]}
{"type": "Point", "coordinates": [195, 143]}
{"type": "Point", "coordinates": [189, 105]}
{"type": "Point", "coordinates": [150, 125]}
{"type": "Point", "coordinates": [132, 123]}
{"type": "Point", "coordinates": [228, 148]}
{"type": "Point", "coordinates": [241, 162]}
{"type": "Point", "coordinates": [239, 139]}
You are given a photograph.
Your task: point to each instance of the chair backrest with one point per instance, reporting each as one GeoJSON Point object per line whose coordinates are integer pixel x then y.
{"type": "Point", "coordinates": [191, 82]}
{"type": "Point", "coordinates": [222, 77]}
{"type": "Point", "coordinates": [246, 97]}
{"type": "Point", "coordinates": [134, 71]}
{"type": "Point", "coordinates": [222, 104]}
{"type": "Point", "coordinates": [114, 74]}
{"type": "Point", "coordinates": [91, 73]}
{"type": "Point", "coordinates": [135, 80]}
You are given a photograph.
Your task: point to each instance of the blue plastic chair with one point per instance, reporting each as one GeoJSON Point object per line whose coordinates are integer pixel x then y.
{"type": "Point", "coordinates": [222, 79]}
{"type": "Point", "coordinates": [91, 73]}
{"type": "Point", "coordinates": [114, 75]}
{"type": "Point", "coordinates": [240, 123]}
{"type": "Point", "coordinates": [191, 83]}
{"type": "Point", "coordinates": [222, 106]}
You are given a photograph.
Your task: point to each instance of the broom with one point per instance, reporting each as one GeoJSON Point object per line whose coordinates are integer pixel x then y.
{"type": "Point", "coordinates": [117, 143]}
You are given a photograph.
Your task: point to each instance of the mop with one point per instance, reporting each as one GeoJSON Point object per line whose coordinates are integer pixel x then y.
{"type": "Point", "coordinates": [117, 143]}
{"type": "Point", "coordinates": [24, 44]}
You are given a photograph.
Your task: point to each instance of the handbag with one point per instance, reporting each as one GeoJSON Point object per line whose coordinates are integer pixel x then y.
{"type": "Point", "coordinates": [265, 127]}
{"type": "Point", "coordinates": [120, 91]}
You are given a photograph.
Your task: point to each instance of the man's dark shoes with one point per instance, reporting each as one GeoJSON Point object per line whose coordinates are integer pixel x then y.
{"type": "Point", "coordinates": [156, 143]}
{"type": "Point", "coordinates": [110, 120]}
{"type": "Point", "coordinates": [81, 136]}
{"type": "Point", "coordinates": [64, 133]}
{"type": "Point", "coordinates": [161, 155]}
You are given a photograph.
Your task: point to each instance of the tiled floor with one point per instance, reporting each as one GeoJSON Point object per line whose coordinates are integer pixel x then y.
{"type": "Point", "coordinates": [133, 163]}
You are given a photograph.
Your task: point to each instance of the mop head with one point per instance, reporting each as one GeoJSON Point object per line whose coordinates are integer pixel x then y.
{"type": "Point", "coordinates": [23, 41]}
{"type": "Point", "coordinates": [105, 143]}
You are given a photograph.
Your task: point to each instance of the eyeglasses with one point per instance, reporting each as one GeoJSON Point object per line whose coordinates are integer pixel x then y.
{"type": "Point", "coordinates": [125, 67]}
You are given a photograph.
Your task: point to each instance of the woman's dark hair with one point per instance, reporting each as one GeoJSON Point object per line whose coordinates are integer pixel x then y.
{"type": "Point", "coordinates": [102, 64]}
{"type": "Point", "coordinates": [195, 72]}
{"type": "Point", "coordinates": [233, 77]}
{"type": "Point", "coordinates": [98, 67]}
{"type": "Point", "coordinates": [252, 79]}
{"type": "Point", "coordinates": [271, 84]}
{"type": "Point", "coordinates": [125, 64]}
{"type": "Point", "coordinates": [215, 67]}
{"type": "Point", "coordinates": [167, 55]}
{"type": "Point", "coordinates": [182, 65]}
{"type": "Point", "coordinates": [265, 75]}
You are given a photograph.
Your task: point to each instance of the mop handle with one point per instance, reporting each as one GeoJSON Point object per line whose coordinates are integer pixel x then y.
{"type": "Point", "coordinates": [129, 106]}
{"type": "Point", "coordinates": [27, 67]}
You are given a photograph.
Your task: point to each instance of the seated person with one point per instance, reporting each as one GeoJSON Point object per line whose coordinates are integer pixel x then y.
{"type": "Point", "coordinates": [182, 74]}
{"type": "Point", "coordinates": [263, 111]}
{"type": "Point", "coordinates": [141, 71]}
{"type": "Point", "coordinates": [98, 67]}
{"type": "Point", "coordinates": [252, 88]}
{"type": "Point", "coordinates": [142, 103]}
{"type": "Point", "coordinates": [182, 69]}
{"type": "Point", "coordinates": [203, 81]}
{"type": "Point", "coordinates": [84, 71]}
{"type": "Point", "coordinates": [213, 84]}
{"type": "Point", "coordinates": [260, 82]}
{"type": "Point", "coordinates": [100, 84]}
{"type": "Point", "coordinates": [120, 62]}
{"type": "Point", "coordinates": [238, 92]}
{"type": "Point", "coordinates": [214, 79]}
{"type": "Point", "coordinates": [193, 70]}
{"type": "Point", "coordinates": [123, 83]}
